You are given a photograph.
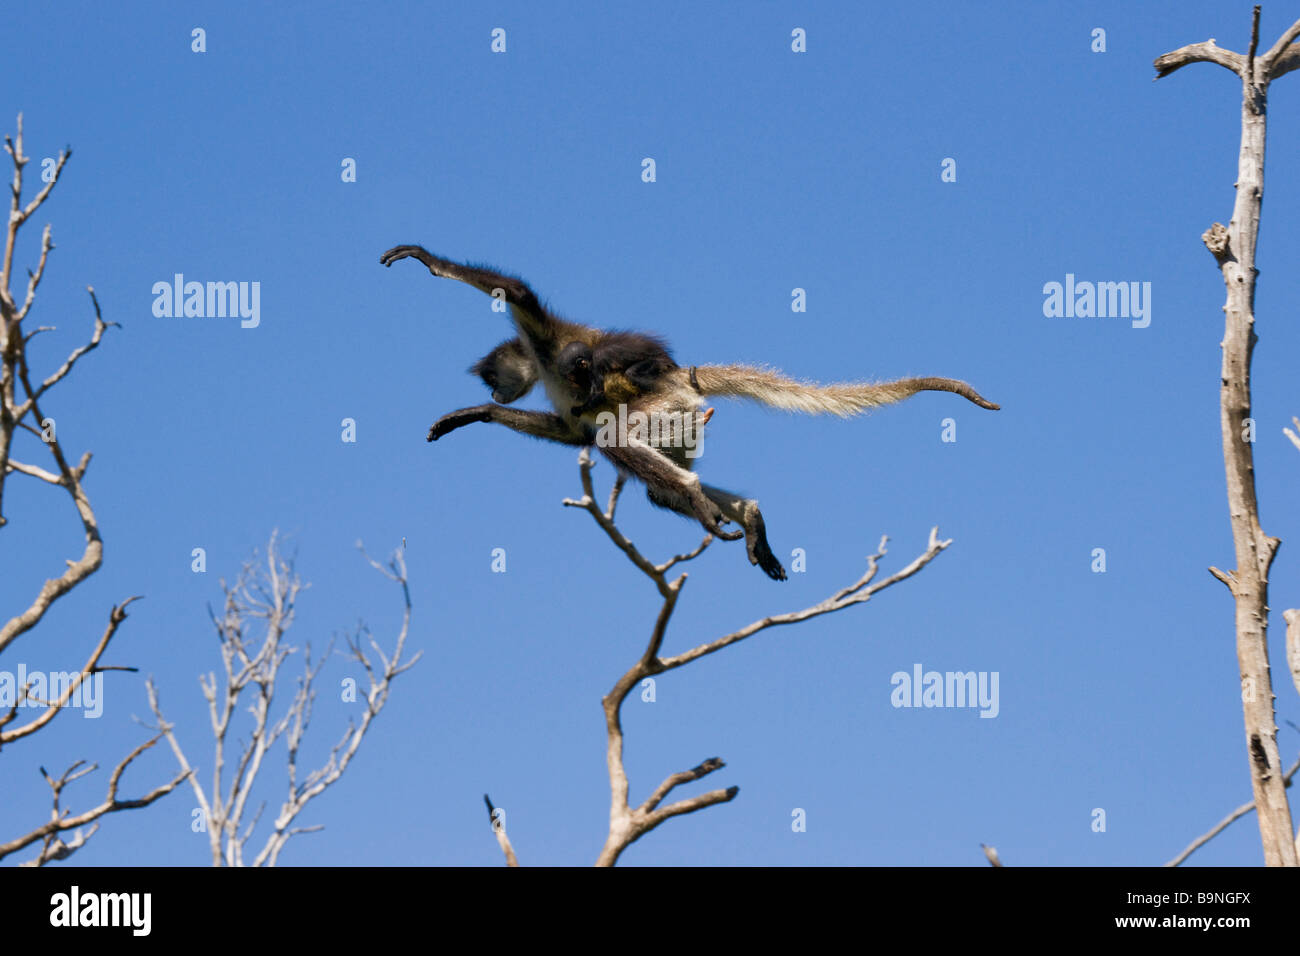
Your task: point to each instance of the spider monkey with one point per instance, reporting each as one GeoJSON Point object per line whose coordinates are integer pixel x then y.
{"type": "Point", "coordinates": [588, 373]}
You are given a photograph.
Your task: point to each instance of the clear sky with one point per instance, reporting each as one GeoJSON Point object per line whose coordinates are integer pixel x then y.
{"type": "Point", "coordinates": [775, 170]}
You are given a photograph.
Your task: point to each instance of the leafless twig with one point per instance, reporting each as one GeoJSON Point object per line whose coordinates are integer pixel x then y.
{"type": "Point", "coordinates": [628, 823]}
{"type": "Point", "coordinates": [53, 846]}
{"type": "Point", "coordinates": [1293, 435]}
{"type": "Point", "coordinates": [497, 818]}
{"type": "Point", "coordinates": [1223, 824]}
{"type": "Point", "coordinates": [252, 668]}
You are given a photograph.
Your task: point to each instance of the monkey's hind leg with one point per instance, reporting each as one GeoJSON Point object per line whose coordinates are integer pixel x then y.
{"type": "Point", "coordinates": [744, 511]}
{"type": "Point", "coordinates": [668, 484]}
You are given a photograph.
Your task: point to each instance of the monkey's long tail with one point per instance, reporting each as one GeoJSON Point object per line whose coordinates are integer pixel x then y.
{"type": "Point", "coordinates": [843, 399]}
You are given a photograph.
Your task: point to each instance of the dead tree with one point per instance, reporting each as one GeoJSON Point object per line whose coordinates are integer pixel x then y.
{"type": "Point", "coordinates": [268, 592]}
{"type": "Point", "coordinates": [1292, 618]}
{"type": "Point", "coordinates": [628, 823]}
{"type": "Point", "coordinates": [1233, 249]}
{"type": "Point", "coordinates": [23, 414]}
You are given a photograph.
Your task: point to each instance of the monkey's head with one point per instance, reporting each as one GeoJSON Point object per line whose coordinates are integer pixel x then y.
{"type": "Point", "coordinates": [508, 370]}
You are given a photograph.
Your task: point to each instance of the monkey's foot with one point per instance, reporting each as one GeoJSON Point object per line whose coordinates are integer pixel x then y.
{"type": "Point", "coordinates": [761, 554]}
{"type": "Point", "coordinates": [756, 545]}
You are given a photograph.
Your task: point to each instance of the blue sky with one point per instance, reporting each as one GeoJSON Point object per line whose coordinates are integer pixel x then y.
{"type": "Point", "coordinates": [775, 170]}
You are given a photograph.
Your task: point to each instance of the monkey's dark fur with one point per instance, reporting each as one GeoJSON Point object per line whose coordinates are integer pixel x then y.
{"type": "Point", "coordinates": [508, 371]}
{"type": "Point", "coordinates": [589, 373]}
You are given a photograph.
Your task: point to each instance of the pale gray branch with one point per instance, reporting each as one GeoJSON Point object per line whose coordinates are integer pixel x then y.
{"type": "Point", "coordinates": [1233, 247]}
{"type": "Point", "coordinates": [1293, 435]}
{"type": "Point", "coordinates": [1223, 824]}
{"type": "Point", "coordinates": [267, 593]}
{"type": "Point", "coordinates": [498, 821]}
{"type": "Point", "coordinates": [1206, 52]}
{"type": "Point", "coordinates": [627, 824]}
{"type": "Point", "coordinates": [116, 616]}
{"type": "Point", "coordinates": [53, 847]}
{"type": "Point", "coordinates": [15, 374]}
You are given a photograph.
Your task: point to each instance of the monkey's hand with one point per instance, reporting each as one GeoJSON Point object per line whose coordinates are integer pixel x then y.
{"type": "Point", "coordinates": [466, 416]}
{"type": "Point", "coordinates": [405, 252]}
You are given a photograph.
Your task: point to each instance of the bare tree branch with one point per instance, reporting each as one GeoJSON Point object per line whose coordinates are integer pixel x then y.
{"type": "Point", "coordinates": [34, 471]}
{"type": "Point", "coordinates": [61, 372]}
{"type": "Point", "coordinates": [34, 278]}
{"type": "Point", "coordinates": [115, 617]}
{"type": "Point", "coordinates": [498, 820]}
{"type": "Point", "coordinates": [1223, 824]}
{"type": "Point", "coordinates": [1281, 58]}
{"type": "Point", "coordinates": [1293, 435]}
{"type": "Point", "coordinates": [677, 779]}
{"type": "Point", "coordinates": [53, 847]}
{"type": "Point", "coordinates": [26, 416]}
{"type": "Point", "coordinates": [18, 213]}
{"type": "Point", "coordinates": [14, 370]}
{"type": "Point", "coordinates": [251, 668]}
{"type": "Point", "coordinates": [1205, 52]}
{"type": "Point", "coordinates": [1292, 618]}
{"type": "Point", "coordinates": [1283, 44]}
{"type": "Point", "coordinates": [1233, 248]}
{"type": "Point", "coordinates": [627, 824]}
{"type": "Point", "coordinates": [992, 853]}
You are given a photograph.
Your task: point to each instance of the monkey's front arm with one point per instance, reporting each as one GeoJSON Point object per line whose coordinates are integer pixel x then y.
{"type": "Point", "coordinates": [538, 424]}
{"type": "Point", "coordinates": [533, 320]}
{"type": "Point", "coordinates": [636, 458]}
{"type": "Point", "coordinates": [516, 291]}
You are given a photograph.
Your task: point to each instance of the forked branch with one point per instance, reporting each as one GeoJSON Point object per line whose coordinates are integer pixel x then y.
{"type": "Point", "coordinates": [21, 414]}
{"type": "Point", "coordinates": [629, 823]}
{"type": "Point", "coordinates": [53, 847]}
{"type": "Point", "coordinates": [1233, 248]}
{"type": "Point", "coordinates": [251, 668]}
